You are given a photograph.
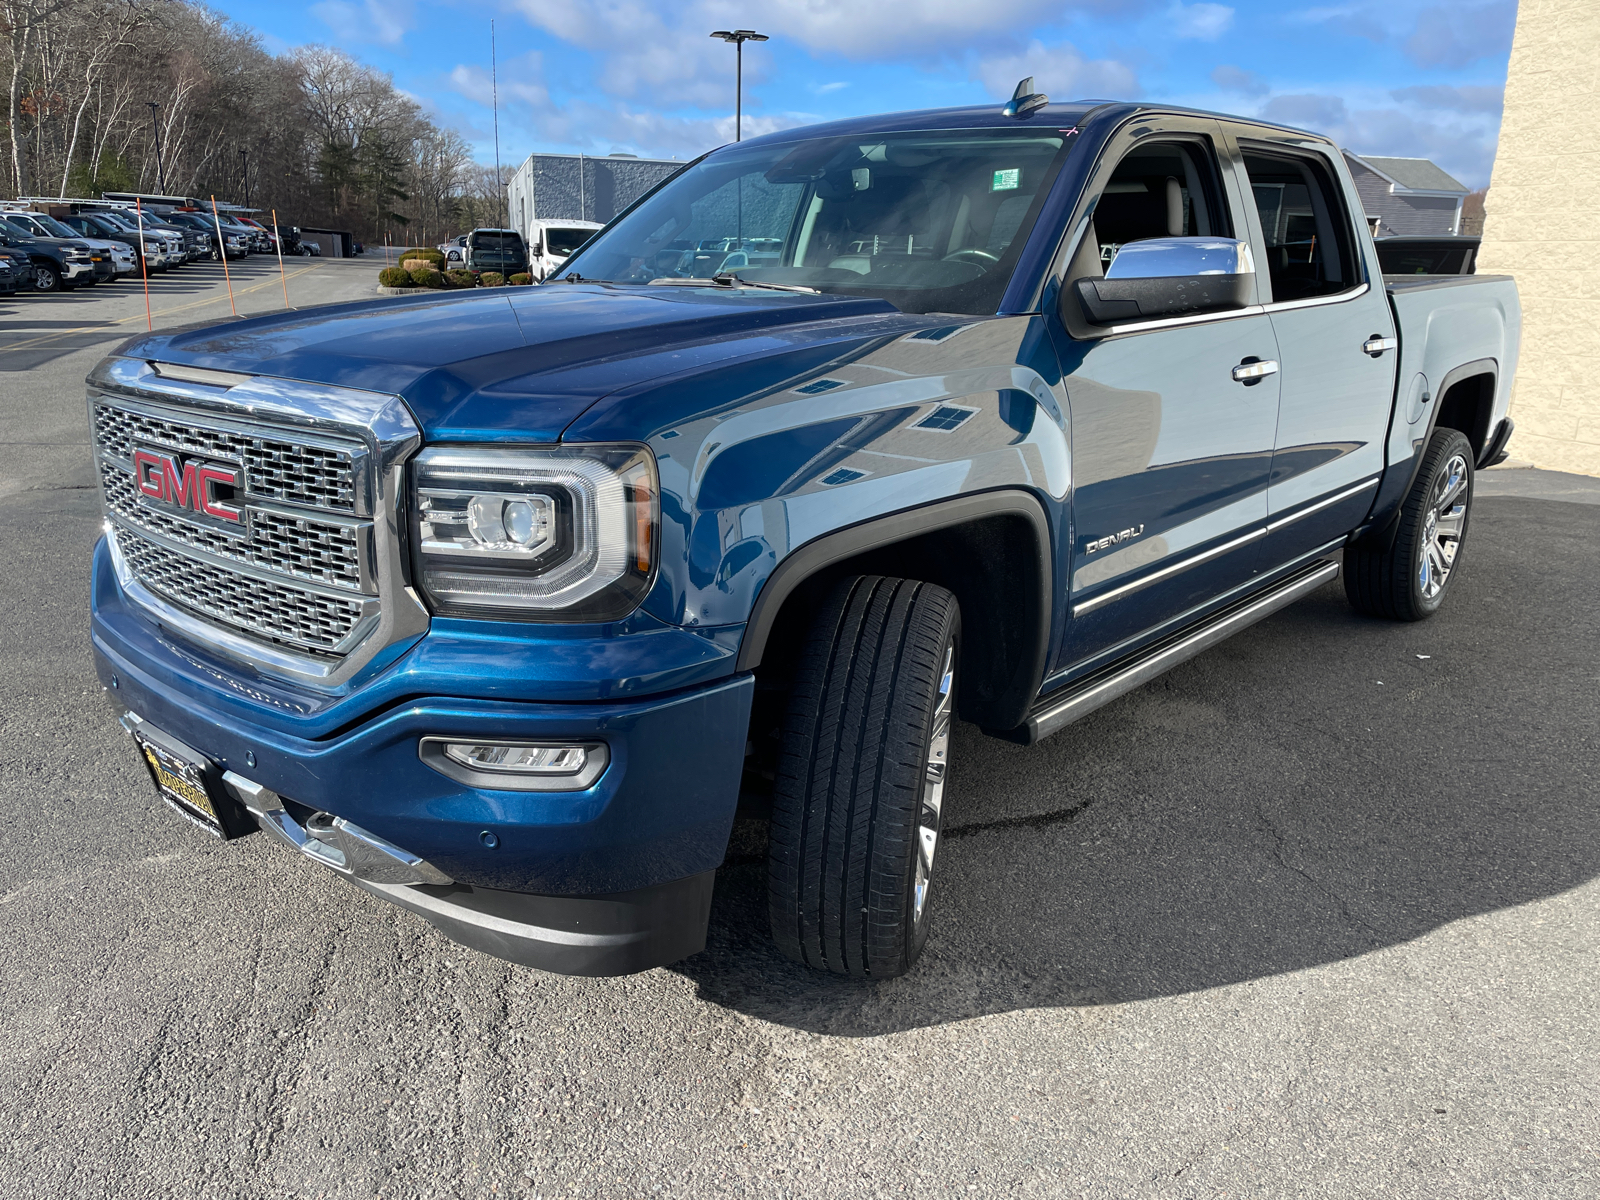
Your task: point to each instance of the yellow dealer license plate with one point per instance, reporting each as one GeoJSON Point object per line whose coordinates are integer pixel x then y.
{"type": "Point", "coordinates": [182, 783]}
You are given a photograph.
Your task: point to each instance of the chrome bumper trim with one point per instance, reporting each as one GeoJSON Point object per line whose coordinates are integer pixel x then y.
{"type": "Point", "coordinates": [342, 847]}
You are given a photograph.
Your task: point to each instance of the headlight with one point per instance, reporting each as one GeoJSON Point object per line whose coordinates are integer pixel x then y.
{"type": "Point", "coordinates": [564, 534]}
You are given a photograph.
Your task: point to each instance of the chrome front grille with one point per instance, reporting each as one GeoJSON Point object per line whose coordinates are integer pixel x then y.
{"type": "Point", "coordinates": [306, 549]}
{"type": "Point", "coordinates": [279, 469]}
{"type": "Point", "coordinates": [296, 571]}
{"type": "Point", "coordinates": [314, 622]}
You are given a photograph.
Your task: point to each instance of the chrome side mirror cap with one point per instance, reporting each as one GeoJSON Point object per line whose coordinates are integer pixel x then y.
{"type": "Point", "coordinates": [1172, 257]}
{"type": "Point", "coordinates": [1169, 277]}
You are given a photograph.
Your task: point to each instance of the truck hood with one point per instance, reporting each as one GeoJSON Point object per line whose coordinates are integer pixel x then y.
{"type": "Point", "coordinates": [504, 365]}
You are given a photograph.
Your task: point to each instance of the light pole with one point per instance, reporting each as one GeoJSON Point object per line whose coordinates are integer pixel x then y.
{"type": "Point", "coordinates": [244, 164]}
{"type": "Point", "coordinates": [161, 170]}
{"type": "Point", "coordinates": [739, 37]}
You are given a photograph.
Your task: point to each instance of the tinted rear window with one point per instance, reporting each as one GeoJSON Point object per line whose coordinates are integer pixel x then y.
{"type": "Point", "coordinates": [497, 241]}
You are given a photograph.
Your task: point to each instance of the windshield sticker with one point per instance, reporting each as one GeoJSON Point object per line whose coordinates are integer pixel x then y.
{"type": "Point", "coordinates": [1007, 181]}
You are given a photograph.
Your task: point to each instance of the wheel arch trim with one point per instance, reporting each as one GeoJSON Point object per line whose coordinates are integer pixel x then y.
{"type": "Point", "coordinates": [882, 531]}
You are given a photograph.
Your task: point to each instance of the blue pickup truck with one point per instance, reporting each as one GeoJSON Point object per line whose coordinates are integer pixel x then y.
{"type": "Point", "coordinates": [501, 605]}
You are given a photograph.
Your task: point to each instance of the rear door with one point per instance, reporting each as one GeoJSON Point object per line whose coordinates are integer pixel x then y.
{"type": "Point", "coordinates": [1336, 340]}
{"type": "Point", "coordinates": [1171, 455]}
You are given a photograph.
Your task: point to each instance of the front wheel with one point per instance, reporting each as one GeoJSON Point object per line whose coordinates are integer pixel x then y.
{"type": "Point", "coordinates": [859, 796]}
{"type": "Point", "coordinates": [1408, 579]}
{"type": "Point", "coordinates": [46, 278]}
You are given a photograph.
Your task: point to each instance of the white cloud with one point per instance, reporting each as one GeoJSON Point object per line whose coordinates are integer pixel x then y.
{"type": "Point", "coordinates": [1465, 99]}
{"type": "Point", "coordinates": [822, 89]}
{"type": "Point", "coordinates": [1459, 34]}
{"type": "Point", "coordinates": [1235, 79]}
{"type": "Point", "coordinates": [1059, 71]}
{"type": "Point", "coordinates": [1203, 22]}
{"type": "Point", "coordinates": [1459, 140]}
{"type": "Point", "coordinates": [385, 22]}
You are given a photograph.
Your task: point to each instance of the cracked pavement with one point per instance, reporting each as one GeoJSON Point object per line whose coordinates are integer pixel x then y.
{"type": "Point", "coordinates": [1313, 915]}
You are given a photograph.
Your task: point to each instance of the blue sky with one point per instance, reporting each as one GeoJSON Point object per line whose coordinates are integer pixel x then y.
{"type": "Point", "coordinates": [1400, 77]}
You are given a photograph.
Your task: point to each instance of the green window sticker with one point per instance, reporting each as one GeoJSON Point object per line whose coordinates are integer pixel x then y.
{"type": "Point", "coordinates": [1007, 181]}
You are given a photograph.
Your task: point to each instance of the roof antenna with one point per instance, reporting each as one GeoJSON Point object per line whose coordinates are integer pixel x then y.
{"type": "Point", "coordinates": [1025, 100]}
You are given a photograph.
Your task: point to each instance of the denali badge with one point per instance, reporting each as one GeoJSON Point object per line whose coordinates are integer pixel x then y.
{"type": "Point", "coordinates": [1113, 539]}
{"type": "Point", "coordinates": [201, 487]}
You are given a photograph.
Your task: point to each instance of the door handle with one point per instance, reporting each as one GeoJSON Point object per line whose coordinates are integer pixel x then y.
{"type": "Point", "coordinates": [1377, 344]}
{"type": "Point", "coordinates": [1253, 370]}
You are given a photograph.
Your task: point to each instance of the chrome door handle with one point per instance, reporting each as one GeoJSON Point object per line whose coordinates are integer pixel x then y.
{"type": "Point", "coordinates": [1377, 344]}
{"type": "Point", "coordinates": [1254, 370]}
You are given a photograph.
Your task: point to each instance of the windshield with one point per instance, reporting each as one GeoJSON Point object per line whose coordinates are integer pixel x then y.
{"type": "Point", "coordinates": [562, 241]}
{"type": "Point", "coordinates": [930, 221]}
{"type": "Point", "coordinates": [54, 227]}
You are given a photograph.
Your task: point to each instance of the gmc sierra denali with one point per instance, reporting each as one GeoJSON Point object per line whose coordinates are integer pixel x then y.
{"type": "Point", "coordinates": [500, 604]}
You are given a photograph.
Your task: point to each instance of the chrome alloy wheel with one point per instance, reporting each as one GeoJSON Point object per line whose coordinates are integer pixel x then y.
{"type": "Point", "coordinates": [933, 786]}
{"type": "Point", "coordinates": [1441, 530]}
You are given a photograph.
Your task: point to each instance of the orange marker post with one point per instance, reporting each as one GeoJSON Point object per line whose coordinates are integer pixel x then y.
{"type": "Point", "coordinates": [144, 265]}
{"type": "Point", "coordinates": [222, 250]}
{"type": "Point", "coordinates": [277, 241]}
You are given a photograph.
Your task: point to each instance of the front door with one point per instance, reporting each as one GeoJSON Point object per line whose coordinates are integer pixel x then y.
{"type": "Point", "coordinates": [1171, 453]}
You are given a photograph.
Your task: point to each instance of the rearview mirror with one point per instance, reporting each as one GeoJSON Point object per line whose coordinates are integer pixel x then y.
{"type": "Point", "coordinates": [1169, 277]}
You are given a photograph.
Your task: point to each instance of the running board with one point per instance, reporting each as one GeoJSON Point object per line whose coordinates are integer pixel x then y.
{"type": "Point", "coordinates": [1060, 709]}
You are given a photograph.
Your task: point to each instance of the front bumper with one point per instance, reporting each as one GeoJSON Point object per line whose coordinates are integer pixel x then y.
{"type": "Point", "coordinates": [72, 271]}
{"type": "Point", "coordinates": [609, 879]}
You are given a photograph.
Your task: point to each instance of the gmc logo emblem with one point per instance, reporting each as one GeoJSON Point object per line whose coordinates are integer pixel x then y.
{"type": "Point", "coordinates": [194, 485]}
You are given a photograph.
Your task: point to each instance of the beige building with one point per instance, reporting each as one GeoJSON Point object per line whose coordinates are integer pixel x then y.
{"type": "Point", "coordinates": [1542, 225]}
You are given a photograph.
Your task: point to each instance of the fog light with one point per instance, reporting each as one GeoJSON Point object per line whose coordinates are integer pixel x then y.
{"type": "Point", "coordinates": [518, 766]}
{"type": "Point", "coordinates": [535, 760]}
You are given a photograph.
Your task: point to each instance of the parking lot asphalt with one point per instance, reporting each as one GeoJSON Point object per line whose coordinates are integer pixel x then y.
{"type": "Point", "coordinates": [1314, 915]}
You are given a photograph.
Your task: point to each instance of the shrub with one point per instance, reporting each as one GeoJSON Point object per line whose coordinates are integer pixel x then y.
{"type": "Point", "coordinates": [461, 278]}
{"type": "Point", "coordinates": [427, 254]}
{"type": "Point", "coordinates": [491, 279]}
{"type": "Point", "coordinates": [427, 277]}
{"type": "Point", "coordinates": [394, 277]}
{"type": "Point", "coordinates": [521, 279]}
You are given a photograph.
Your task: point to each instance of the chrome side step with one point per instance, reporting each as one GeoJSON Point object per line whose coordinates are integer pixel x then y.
{"type": "Point", "coordinates": [1060, 709]}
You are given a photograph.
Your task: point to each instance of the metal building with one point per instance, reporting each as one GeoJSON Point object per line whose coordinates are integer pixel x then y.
{"type": "Point", "coordinates": [566, 187]}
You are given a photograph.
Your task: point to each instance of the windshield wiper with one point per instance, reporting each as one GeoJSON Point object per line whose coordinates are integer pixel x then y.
{"type": "Point", "coordinates": [726, 280]}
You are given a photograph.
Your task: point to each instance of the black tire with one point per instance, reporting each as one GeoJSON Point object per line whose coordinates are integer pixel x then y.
{"type": "Point", "coordinates": [867, 728]}
{"type": "Point", "coordinates": [46, 278]}
{"type": "Point", "coordinates": [1408, 579]}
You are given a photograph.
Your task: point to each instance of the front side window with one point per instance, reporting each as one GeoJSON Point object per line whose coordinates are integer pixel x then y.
{"type": "Point", "coordinates": [1306, 235]}
{"type": "Point", "coordinates": [930, 221]}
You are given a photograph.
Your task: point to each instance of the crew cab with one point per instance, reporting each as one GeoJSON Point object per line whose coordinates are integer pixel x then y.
{"type": "Point", "coordinates": [58, 264]}
{"type": "Point", "coordinates": [501, 604]}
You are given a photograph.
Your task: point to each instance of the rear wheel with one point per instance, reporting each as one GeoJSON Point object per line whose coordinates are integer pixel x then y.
{"type": "Point", "coordinates": [1408, 579]}
{"type": "Point", "coordinates": [858, 801]}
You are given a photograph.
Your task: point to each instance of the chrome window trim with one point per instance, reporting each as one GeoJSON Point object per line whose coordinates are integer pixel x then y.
{"type": "Point", "coordinates": [1167, 572]}
{"type": "Point", "coordinates": [1249, 310]}
{"type": "Point", "coordinates": [377, 424]}
{"type": "Point", "coordinates": [1324, 503]}
{"type": "Point", "coordinates": [1344, 297]}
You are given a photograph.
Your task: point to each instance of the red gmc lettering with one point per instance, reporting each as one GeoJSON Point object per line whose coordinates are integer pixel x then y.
{"type": "Point", "coordinates": [192, 485]}
{"type": "Point", "coordinates": [208, 502]}
{"type": "Point", "coordinates": [181, 492]}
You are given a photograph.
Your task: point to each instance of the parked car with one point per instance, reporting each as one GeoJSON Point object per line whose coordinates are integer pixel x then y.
{"type": "Point", "coordinates": [104, 267]}
{"type": "Point", "coordinates": [171, 238]}
{"type": "Point", "coordinates": [1456, 255]}
{"type": "Point", "coordinates": [96, 224]}
{"type": "Point", "coordinates": [501, 250]}
{"type": "Point", "coordinates": [550, 242]}
{"type": "Point", "coordinates": [236, 241]}
{"type": "Point", "coordinates": [58, 264]}
{"type": "Point", "coordinates": [260, 235]}
{"type": "Point", "coordinates": [16, 272]}
{"type": "Point", "coordinates": [501, 605]}
{"type": "Point", "coordinates": [113, 258]}
{"type": "Point", "coordinates": [455, 252]}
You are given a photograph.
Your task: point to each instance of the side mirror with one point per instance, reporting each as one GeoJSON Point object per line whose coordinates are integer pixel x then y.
{"type": "Point", "coordinates": [1169, 277]}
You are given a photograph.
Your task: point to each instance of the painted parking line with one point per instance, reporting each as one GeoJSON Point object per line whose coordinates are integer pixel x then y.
{"type": "Point", "coordinates": [64, 333]}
